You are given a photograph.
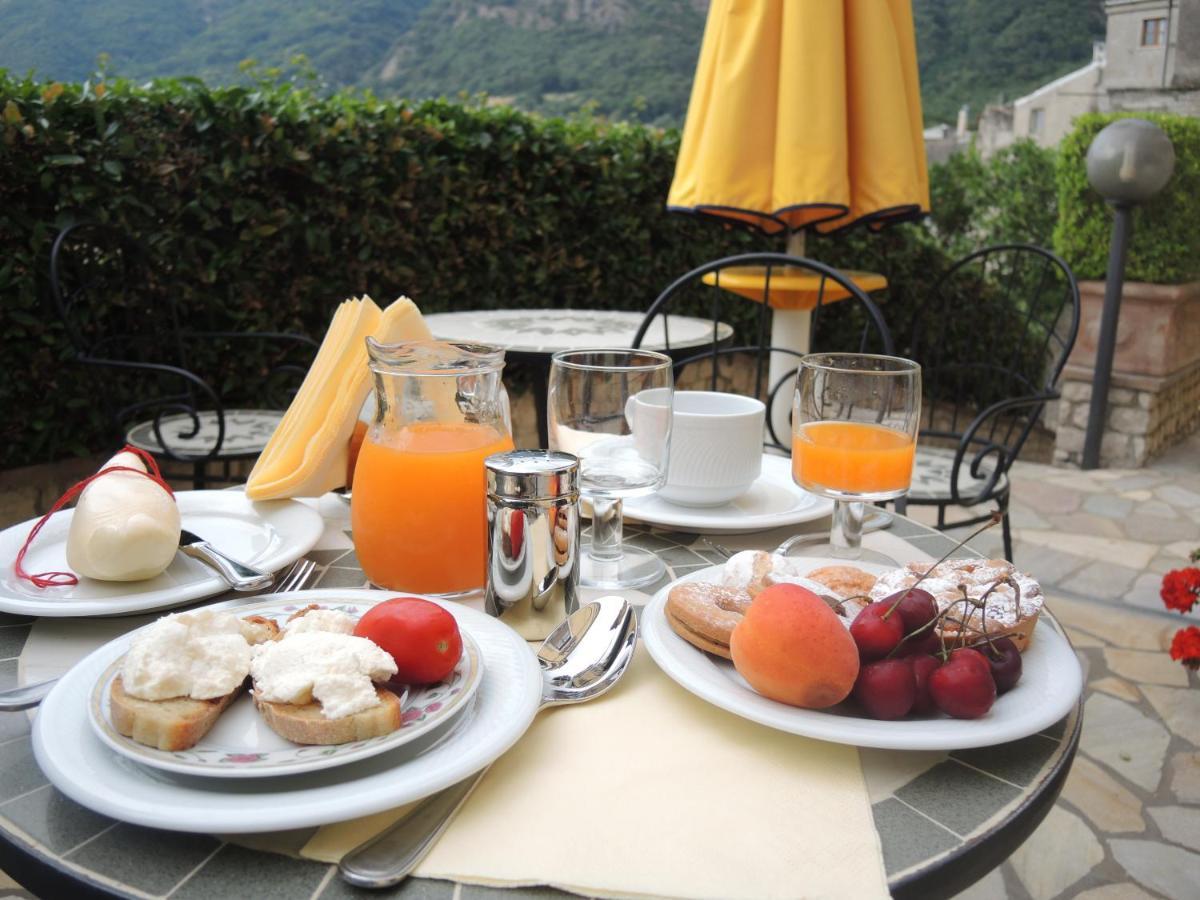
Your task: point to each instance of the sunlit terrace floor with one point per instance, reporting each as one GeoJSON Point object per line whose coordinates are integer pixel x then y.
{"type": "Point", "coordinates": [1128, 822]}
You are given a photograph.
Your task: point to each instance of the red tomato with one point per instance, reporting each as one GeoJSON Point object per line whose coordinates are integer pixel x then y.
{"type": "Point", "coordinates": [422, 638]}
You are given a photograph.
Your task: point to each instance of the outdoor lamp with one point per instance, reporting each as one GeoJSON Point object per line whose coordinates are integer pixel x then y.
{"type": "Point", "coordinates": [1129, 162]}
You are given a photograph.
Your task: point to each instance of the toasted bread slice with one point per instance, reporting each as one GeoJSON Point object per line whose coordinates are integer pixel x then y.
{"type": "Point", "coordinates": [307, 724]}
{"type": "Point", "coordinates": [177, 723]}
{"type": "Point", "coordinates": [174, 724]}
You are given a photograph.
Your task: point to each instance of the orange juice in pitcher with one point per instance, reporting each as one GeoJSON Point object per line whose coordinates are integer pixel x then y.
{"type": "Point", "coordinates": [418, 514]}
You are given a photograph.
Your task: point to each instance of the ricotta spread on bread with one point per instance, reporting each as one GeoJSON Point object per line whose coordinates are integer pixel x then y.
{"type": "Point", "coordinates": [125, 526]}
{"type": "Point", "coordinates": [330, 620]}
{"type": "Point", "coordinates": [201, 655]}
{"type": "Point", "coordinates": [337, 670]}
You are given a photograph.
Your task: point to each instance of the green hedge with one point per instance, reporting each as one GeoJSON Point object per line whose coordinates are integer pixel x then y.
{"type": "Point", "coordinates": [270, 204]}
{"type": "Point", "coordinates": [1166, 242]}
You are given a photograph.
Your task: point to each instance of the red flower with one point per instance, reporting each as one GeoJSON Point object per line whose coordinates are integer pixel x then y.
{"type": "Point", "coordinates": [1185, 646]}
{"type": "Point", "coordinates": [1181, 589]}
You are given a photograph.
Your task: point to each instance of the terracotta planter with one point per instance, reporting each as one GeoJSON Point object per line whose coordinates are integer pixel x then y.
{"type": "Point", "coordinates": [1159, 329]}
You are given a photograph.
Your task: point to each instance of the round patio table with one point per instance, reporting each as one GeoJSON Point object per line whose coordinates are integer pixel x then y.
{"type": "Point", "coordinates": [944, 819]}
{"type": "Point", "coordinates": [530, 337]}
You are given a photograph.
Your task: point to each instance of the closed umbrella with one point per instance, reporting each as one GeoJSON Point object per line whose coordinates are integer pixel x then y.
{"type": "Point", "coordinates": [804, 114]}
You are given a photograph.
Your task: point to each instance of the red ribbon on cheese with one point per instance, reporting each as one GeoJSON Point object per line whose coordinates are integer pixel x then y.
{"type": "Point", "coordinates": [66, 579]}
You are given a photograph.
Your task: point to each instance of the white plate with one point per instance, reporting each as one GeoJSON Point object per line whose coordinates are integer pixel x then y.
{"type": "Point", "coordinates": [87, 771]}
{"type": "Point", "coordinates": [241, 745]}
{"type": "Point", "coordinates": [267, 535]}
{"type": "Point", "coordinates": [773, 500]}
{"type": "Point", "coordinates": [1049, 687]}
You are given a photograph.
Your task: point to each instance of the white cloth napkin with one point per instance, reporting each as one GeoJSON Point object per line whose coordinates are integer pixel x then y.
{"type": "Point", "coordinates": [650, 791]}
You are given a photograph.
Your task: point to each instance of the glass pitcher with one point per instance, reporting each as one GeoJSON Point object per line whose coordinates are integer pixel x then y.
{"type": "Point", "coordinates": [419, 513]}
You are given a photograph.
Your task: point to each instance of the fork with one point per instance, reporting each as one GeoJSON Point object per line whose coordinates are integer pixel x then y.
{"type": "Point", "coordinates": [30, 695]}
{"type": "Point", "coordinates": [296, 577]}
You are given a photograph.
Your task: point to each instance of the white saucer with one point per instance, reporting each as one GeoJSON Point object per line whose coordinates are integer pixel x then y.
{"type": "Point", "coordinates": [1050, 684]}
{"type": "Point", "coordinates": [267, 535]}
{"type": "Point", "coordinates": [773, 500]}
{"type": "Point", "coordinates": [241, 745]}
{"type": "Point", "coordinates": [87, 771]}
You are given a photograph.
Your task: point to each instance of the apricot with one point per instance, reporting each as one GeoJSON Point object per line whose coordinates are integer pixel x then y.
{"type": "Point", "coordinates": [791, 647]}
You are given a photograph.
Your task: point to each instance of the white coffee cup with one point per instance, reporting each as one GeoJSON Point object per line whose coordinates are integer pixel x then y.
{"type": "Point", "coordinates": [716, 444]}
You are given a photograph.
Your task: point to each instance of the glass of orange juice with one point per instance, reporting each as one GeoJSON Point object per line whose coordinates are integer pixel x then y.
{"type": "Point", "coordinates": [854, 434]}
{"type": "Point", "coordinates": [419, 514]}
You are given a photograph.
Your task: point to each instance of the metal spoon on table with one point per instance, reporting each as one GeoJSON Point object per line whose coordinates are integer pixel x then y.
{"type": "Point", "coordinates": [582, 658]}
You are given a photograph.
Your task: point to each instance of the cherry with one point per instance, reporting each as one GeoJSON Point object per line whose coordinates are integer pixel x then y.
{"type": "Point", "coordinates": [1004, 660]}
{"type": "Point", "coordinates": [916, 607]}
{"type": "Point", "coordinates": [885, 689]}
{"type": "Point", "coordinates": [927, 642]}
{"type": "Point", "coordinates": [923, 667]}
{"type": "Point", "coordinates": [875, 635]}
{"type": "Point", "coordinates": [963, 687]}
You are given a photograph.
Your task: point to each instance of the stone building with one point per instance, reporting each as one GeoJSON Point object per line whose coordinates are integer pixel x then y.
{"type": "Point", "coordinates": [1149, 61]}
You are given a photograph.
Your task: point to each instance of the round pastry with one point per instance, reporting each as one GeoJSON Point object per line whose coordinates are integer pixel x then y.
{"type": "Point", "coordinates": [1013, 599]}
{"type": "Point", "coordinates": [845, 581]}
{"type": "Point", "coordinates": [748, 570]}
{"type": "Point", "coordinates": [705, 614]}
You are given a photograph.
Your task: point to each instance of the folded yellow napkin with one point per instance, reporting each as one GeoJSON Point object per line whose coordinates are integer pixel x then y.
{"type": "Point", "coordinates": [650, 791]}
{"type": "Point", "coordinates": [308, 453]}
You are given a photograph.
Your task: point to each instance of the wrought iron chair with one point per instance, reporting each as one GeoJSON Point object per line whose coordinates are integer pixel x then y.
{"type": "Point", "coordinates": [162, 381]}
{"type": "Point", "coordinates": [849, 326]}
{"type": "Point", "coordinates": [981, 411]}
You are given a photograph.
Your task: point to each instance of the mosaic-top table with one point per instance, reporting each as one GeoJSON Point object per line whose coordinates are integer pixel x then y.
{"type": "Point", "coordinates": [944, 819]}
{"type": "Point", "coordinates": [532, 336]}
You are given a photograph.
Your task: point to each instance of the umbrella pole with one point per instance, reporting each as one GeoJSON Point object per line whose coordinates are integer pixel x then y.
{"type": "Point", "coordinates": [789, 329]}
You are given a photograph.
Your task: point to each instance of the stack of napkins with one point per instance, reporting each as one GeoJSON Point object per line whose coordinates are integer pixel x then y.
{"type": "Point", "coordinates": [309, 451]}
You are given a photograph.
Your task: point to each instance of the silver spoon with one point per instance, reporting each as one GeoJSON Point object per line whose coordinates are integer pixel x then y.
{"type": "Point", "coordinates": [582, 658]}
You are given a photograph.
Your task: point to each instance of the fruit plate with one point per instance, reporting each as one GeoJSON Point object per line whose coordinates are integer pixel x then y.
{"type": "Point", "coordinates": [267, 535]}
{"type": "Point", "coordinates": [241, 745]}
{"type": "Point", "coordinates": [79, 764]}
{"type": "Point", "coordinates": [774, 500]}
{"type": "Point", "coordinates": [1050, 684]}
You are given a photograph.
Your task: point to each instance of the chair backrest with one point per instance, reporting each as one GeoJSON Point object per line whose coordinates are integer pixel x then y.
{"type": "Point", "coordinates": [722, 293]}
{"type": "Point", "coordinates": [992, 342]}
{"type": "Point", "coordinates": [108, 299]}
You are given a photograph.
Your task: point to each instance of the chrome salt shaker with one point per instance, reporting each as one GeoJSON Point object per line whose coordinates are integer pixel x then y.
{"type": "Point", "coordinates": [533, 539]}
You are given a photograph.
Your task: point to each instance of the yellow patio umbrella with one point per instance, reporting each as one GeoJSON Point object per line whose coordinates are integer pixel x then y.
{"type": "Point", "coordinates": [804, 114]}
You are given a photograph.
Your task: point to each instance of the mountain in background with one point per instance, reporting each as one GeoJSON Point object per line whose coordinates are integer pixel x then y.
{"type": "Point", "coordinates": [629, 59]}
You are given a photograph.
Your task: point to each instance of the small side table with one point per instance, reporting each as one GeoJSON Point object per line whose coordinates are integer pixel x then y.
{"type": "Point", "coordinates": [532, 336]}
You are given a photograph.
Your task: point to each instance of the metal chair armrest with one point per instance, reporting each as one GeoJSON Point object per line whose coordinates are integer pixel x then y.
{"type": "Point", "coordinates": [988, 447]}
{"type": "Point", "coordinates": [170, 404]}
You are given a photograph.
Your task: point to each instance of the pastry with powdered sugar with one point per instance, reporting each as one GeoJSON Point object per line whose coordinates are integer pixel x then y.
{"type": "Point", "coordinates": [1013, 599]}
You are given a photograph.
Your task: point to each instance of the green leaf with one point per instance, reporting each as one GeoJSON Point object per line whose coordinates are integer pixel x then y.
{"type": "Point", "coordinates": [65, 159]}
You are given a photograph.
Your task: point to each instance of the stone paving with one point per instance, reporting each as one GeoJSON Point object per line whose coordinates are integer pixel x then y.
{"type": "Point", "coordinates": [1128, 823]}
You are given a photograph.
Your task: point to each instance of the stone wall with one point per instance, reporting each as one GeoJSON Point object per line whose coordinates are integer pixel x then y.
{"type": "Point", "coordinates": [1145, 416]}
{"type": "Point", "coordinates": [1154, 399]}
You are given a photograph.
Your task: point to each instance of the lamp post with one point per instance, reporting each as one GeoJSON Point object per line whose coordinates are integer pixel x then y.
{"type": "Point", "coordinates": [1129, 162]}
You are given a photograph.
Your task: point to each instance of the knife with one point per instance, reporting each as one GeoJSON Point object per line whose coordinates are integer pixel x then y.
{"type": "Point", "coordinates": [239, 576]}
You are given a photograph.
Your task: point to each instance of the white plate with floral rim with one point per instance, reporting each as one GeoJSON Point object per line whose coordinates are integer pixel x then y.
{"type": "Point", "coordinates": [1050, 684]}
{"type": "Point", "coordinates": [241, 745]}
{"type": "Point", "coordinates": [80, 765]}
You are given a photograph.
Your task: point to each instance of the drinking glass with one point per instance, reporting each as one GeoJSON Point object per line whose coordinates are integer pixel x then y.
{"type": "Point", "coordinates": [419, 509]}
{"type": "Point", "coordinates": [612, 409]}
{"type": "Point", "coordinates": [854, 434]}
